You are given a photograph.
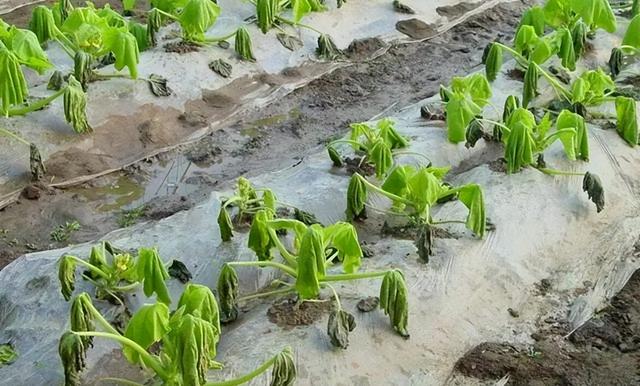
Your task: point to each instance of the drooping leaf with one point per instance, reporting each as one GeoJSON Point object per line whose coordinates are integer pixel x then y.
{"type": "Point", "coordinates": [356, 197]}
{"type": "Point", "coordinates": [221, 67]}
{"type": "Point", "coordinates": [146, 327]}
{"type": "Point", "coordinates": [327, 49]}
{"type": "Point", "coordinates": [124, 47]}
{"type": "Point", "coordinates": [381, 156]}
{"type": "Point", "coordinates": [593, 186]}
{"type": "Point", "coordinates": [259, 238]}
{"type": "Point", "coordinates": [627, 124]}
{"type": "Point", "coordinates": [72, 353]}
{"type": "Point", "coordinates": [340, 324]}
{"type": "Point", "coordinates": [83, 68]}
{"type": "Point", "coordinates": [67, 276]}
{"type": "Point", "coordinates": [284, 369]}
{"type": "Point", "coordinates": [158, 85]}
{"type": "Point", "coordinates": [81, 318]}
{"type": "Point", "coordinates": [471, 196]}
{"type": "Point", "coordinates": [243, 45]}
{"type": "Point", "coordinates": [334, 156]}
{"type": "Point", "coordinates": [266, 12]}
{"type": "Point", "coordinates": [596, 13]}
{"type": "Point", "coordinates": [43, 24]}
{"type": "Point", "coordinates": [178, 270]}
{"type": "Point", "coordinates": [198, 300]}
{"type": "Point", "coordinates": [394, 301]}
{"type": "Point", "coordinates": [56, 81]}
{"type": "Point", "coordinates": [344, 238]}
{"type": "Point", "coordinates": [300, 9]}
{"type": "Point", "coordinates": [390, 135]}
{"type": "Point", "coordinates": [140, 32]}
{"type": "Point", "coordinates": [579, 37]}
{"type": "Point", "coordinates": [311, 262]}
{"type": "Point", "coordinates": [154, 22]}
{"type": "Point", "coordinates": [194, 341]}
{"type": "Point", "coordinates": [228, 293]}
{"type": "Point", "coordinates": [36, 166]}
{"type": "Point", "coordinates": [75, 106]}
{"type": "Point", "coordinates": [7, 354]}
{"type": "Point", "coordinates": [519, 143]}
{"type": "Point", "coordinates": [493, 61]}
{"type": "Point", "coordinates": [632, 36]}
{"type": "Point", "coordinates": [225, 224]}
{"type": "Point", "coordinates": [305, 217]}
{"type": "Point", "coordinates": [424, 242]}
{"type": "Point", "coordinates": [473, 134]}
{"type": "Point", "coordinates": [557, 12]}
{"type": "Point", "coordinates": [616, 61]}
{"type": "Point", "coordinates": [530, 90]}
{"type": "Point", "coordinates": [153, 274]}
{"type": "Point", "coordinates": [580, 142]}
{"type": "Point", "coordinates": [534, 17]}
{"type": "Point", "coordinates": [269, 200]}
{"type": "Point", "coordinates": [460, 112]}
{"type": "Point", "coordinates": [26, 47]}
{"type": "Point", "coordinates": [13, 86]}
{"type": "Point", "coordinates": [567, 51]}
{"type": "Point", "coordinates": [197, 17]}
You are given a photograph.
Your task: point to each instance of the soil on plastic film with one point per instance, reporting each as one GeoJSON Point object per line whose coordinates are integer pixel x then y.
{"type": "Point", "coordinates": [271, 138]}
{"type": "Point", "coordinates": [604, 351]}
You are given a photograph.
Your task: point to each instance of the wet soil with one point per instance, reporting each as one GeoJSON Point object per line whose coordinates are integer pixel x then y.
{"type": "Point", "coordinates": [266, 139]}
{"type": "Point", "coordinates": [604, 351]}
{"type": "Point", "coordinates": [288, 313]}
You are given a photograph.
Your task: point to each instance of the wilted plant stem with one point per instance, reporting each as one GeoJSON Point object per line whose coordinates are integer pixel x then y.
{"type": "Point", "coordinates": [37, 105]}
{"type": "Point", "coordinates": [247, 377]}
{"type": "Point", "coordinates": [273, 264]}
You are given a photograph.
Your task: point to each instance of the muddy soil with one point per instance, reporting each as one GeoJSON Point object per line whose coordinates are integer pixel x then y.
{"type": "Point", "coordinates": [604, 351]}
{"type": "Point", "coordinates": [276, 136]}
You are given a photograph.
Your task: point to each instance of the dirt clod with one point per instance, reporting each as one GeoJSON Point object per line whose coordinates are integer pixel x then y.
{"type": "Point", "coordinates": [181, 47]}
{"type": "Point", "coordinates": [368, 304]}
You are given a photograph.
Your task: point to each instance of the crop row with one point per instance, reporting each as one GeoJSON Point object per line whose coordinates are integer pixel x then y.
{"type": "Point", "coordinates": [179, 347]}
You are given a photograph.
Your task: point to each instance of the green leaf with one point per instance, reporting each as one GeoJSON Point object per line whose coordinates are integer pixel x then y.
{"type": "Point", "coordinates": [284, 369]}
{"type": "Point", "coordinates": [311, 262]}
{"type": "Point", "coordinates": [557, 12]}
{"type": "Point", "coordinates": [228, 293]}
{"type": "Point", "coordinates": [627, 125]}
{"type": "Point", "coordinates": [259, 239]}
{"type": "Point", "coordinates": [198, 300]}
{"type": "Point", "coordinates": [67, 276]}
{"type": "Point", "coordinates": [146, 327]}
{"type": "Point", "coordinates": [81, 318]}
{"type": "Point", "coordinates": [152, 273]}
{"type": "Point", "coordinates": [269, 200]}
{"type": "Point", "coordinates": [577, 145]}
{"type": "Point", "coordinates": [139, 31]}
{"type": "Point", "coordinates": [73, 355]}
{"type": "Point", "coordinates": [479, 89]}
{"type": "Point", "coordinates": [381, 156]}
{"type": "Point", "coordinates": [128, 5]}
{"type": "Point", "coordinates": [169, 6]}
{"type": "Point", "coordinates": [13, 86]}
{"type": "Point", "coordinates": [225, 224]}
{"type": "Point", "coordinates": [596, 13]}
{"type": "Point", "coordinates": [343, 237]}
{"type": "Point", "coordinates": [460, 112]}
{"type": "Point", "coordinates": [356, 197]}
{"type": "Point", "coordinates": [124, 47]}
{"type": "Point", "coordinates": [327, 49]}
{"type": "Point", "coordinates": [75, 106]}
{"type": "Point", "coordinates": [511, 104]}
{"type": "Point", "coordinates": [579, 37]}
{"type": "Point", "coordinates": [243, 45]}
{"type": "Point", "coordinates": [388, 133]}
{"type": "Point", "coordinates": [339, 325]}
{"type": "Point", "coordinates": [266, 12]}
{"type": "Point", "coordinates": [394, 301]}
{"type": "Point", "coordinates": [519, 143]}
{"type": "Point", "coordinates": [43, 24]}
{"type": "Point", "coordinates": [526, 39]}
{"type": "Point", "coordinates": [334, 156]}
{"type": "Point", "coordinates": [493, 62]}
{"type": "Point", "coordinates": [530, 90]}
{"type": "Point", "coordinates": [197, 17]}
{"type": "Point", "coordinates": [300, 8]}
{"type": "Point", "coordinates": [194, 340]}
{"type": "Point", "coordinates": [471, 196]}
{"type": "Point", "coordinates": [534, 17]}
{"type": "Point", "coordinates": [567, 50]}
{"type": "Point", "coordinates": [83, 68]}
{"type": "Point", "coordinates": [7, 354]}
{"type": "Point", "coordinates": [397, 181]}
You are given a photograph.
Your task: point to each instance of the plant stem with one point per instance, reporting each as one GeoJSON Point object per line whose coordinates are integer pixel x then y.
{"type": "Point", "coordinates": [516, 55]}
{"type": "Point", "coordinates": [98, 316]}
{"type": "Point", "coordinates": [357, 144]}
{"type": "Point", "coordinates": [90, 266]}
{"type": "Point", "coordinates": [555, 172]}
{"type": "Point", "coordinates": [633, 49]}
{"type": "Point", "coordinates": [352, 276]}
{"type": "Point", "coordinates": [391, 196]}
{"type": "Point", "coordinates": [560, 90]}
{"type": "Point", "coordinates": [37, 105]}
{"type": "Point", "coordinates": [293, 23]}
{"type": "Point", "coordinates": [121, 381]}
{"type": "Point", "coordinates": [126, 288]}
{"type": "Point", "coordinates": [290, 258]}
{"type": "Point", "coordinates": [219, 39]}
{"type": "Point", "coordinates": [149, 359]}
{"type": "Point", "coordinates": [265, 294]}
{"type": "Point", "coordinates": [335, 295]}
{"type": "Point", "coordinates": [273, 264]}
{"type": "Point", "coordinates": [492, 122]}
{"type": "Point", "coordinates": [412, 153]}
{"type": "Point", "coordinates": [14, 136]}
{"type": "Point", "coordinates": [170, 16]}
{"type": "Point", "coordinates": [448, 222]}
{"type": "Point", "coordinates": [245, 378]}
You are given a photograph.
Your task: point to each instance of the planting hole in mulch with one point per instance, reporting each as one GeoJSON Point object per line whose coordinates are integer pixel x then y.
{"type": "Point", "coordinates": [288, 313]}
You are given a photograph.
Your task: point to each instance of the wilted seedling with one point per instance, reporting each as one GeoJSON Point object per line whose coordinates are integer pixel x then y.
{"type": "Point", "coordinates": [179, 348]}
{"type": "Point", "coordinates": [7, 354]}
{"type": "Point", "coordinates": [377, 143]}
{"type": "Point", "coordinates": [64, 231]}
{"type": "Point", "coordinates": [115, 272]}
{"type": "Point", "coordinates": [315, 250]}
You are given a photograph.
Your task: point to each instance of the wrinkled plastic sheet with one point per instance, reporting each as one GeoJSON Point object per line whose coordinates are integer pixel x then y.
{"type": "Point", "coordinates": [546, 228]}
{"type": "Point", "coordinates": [118, 109]}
